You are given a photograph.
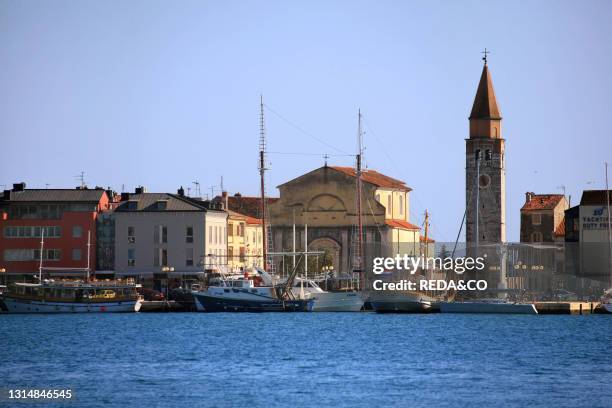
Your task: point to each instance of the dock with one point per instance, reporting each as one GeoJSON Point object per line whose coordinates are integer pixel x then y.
{"type": "Point", "coordinates": [570, 307]}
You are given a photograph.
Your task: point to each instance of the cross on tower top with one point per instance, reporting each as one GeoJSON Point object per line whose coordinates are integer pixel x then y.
{"type": "Point", "coordinates": [485, 52]}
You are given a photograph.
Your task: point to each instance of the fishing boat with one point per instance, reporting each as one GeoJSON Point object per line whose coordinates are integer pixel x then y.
{"type": "Point", "coordinates": [71, 295]}
{"type": "Point", "coordinates": [606, 301]}
{"type": "Point", "coordinates": [402, 302]}
{"type": "Point", "coordinates": [496, 306]}
{"type": "Point", "coordinates": [250, 294]}
{"type": "Point", "coordinates": [327, 301]}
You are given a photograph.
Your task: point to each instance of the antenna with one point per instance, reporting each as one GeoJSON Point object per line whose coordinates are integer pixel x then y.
{"type": "Point", "coordinates": [562, 188]}
{"type": "Point", "coordinates": [221, 185]}
{"type": "Point", "coordinates": [197, 190]}
{"type": "Point", "coordinates": [81, 178]}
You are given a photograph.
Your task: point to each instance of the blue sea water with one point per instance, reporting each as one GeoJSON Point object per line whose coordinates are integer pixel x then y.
{"type": "Point", "coordinates": [310, 359]}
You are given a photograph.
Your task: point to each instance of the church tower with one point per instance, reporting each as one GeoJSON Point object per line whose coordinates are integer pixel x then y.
{"type": "Point", "coordinates": [485, 168]}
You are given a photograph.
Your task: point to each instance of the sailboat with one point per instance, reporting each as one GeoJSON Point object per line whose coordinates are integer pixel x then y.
{"type": "Point", "coordinates": [73, 295]}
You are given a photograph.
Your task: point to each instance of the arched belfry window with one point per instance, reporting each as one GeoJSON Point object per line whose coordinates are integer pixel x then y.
{"type": "Point", "coordinates": [477, 154]}
{"type": "Point", "coordinates": [488, 155]}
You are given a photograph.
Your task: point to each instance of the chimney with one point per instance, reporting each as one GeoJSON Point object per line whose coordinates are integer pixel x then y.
{"type": "Point", "coordinates": [140, 190]}
{"type": "Point", "coordinates": [225, 200]}
{"type": "Point", "coordinates": [125, 196]}
{"type": "Point", "coordinates": [19, 186]}
{"type": "Point", "coordinates": [181, 191]}
{"type": "Point", "coordinates": [528, 197]}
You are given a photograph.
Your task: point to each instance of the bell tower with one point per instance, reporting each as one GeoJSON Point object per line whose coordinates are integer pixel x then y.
{"type": "Point", "coordinates": [485, 168]}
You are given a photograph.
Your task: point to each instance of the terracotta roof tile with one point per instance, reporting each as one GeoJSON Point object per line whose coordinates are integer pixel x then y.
{"type": "Point", "coordinates": [375, 178]}
{"type": "Point", "coordinates": [401, 224]}
{"type": "Point", "coordinates": [542, 202]}
{"type": "Point", "coordinates": [245, 205]}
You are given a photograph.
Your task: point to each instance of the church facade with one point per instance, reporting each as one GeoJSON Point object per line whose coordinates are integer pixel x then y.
{"type": "Point", "coordinates": [323, 202]}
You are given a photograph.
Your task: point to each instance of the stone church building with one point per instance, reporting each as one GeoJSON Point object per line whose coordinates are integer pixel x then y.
{"type": "Point", "coordinates": [324, 200]}
{"type": "Point", "coordinates": [485, 169]}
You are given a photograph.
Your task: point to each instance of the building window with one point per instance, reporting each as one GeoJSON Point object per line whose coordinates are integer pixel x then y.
{"type": "Point", "coordinates": [536, 219]}
{"type": "Point", "coordinates": [230, 231]}
{"type": "Point", "coordinates": [389, 197]}
{"type": "Point", "coordinates": [164, 235]}
{"type": "Point", "coordinates": [230, 254]}
{"type": "Point", "coordinates": [536, 236]}
{"type": "Point", "coordinates": [210, 234]}
{"type": "Point", "coordinates": [32, 232]}
{"type": "Point", "coordinates": [131, 257]}
{"type": "Point", "coordinates": [401, 205]}
{"type": "Point", "coordinates": [16, 255]}
{"type": "Point", "coordinates": [189, 235]}
{"type": "Point", "coordinates": [188, 256]}
{"type": "Point", "coordinates": [131, 235]}
{"type": "Point", "coordinates": [76, 254]}
{"type": "Point", "coordinates": [77, 231]}
{"type": "Point", "coordinates": [477, 155]}
{"type": "Point", "coordinates": [488, 155]}
{"type": "Point", "coordinates": [164, 257]}
{"type": "Point", "coordinates": [242, 253]}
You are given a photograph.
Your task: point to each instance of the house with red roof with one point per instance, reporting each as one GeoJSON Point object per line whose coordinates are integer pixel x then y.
{"type": "Point", "coordinates": [543, 218]}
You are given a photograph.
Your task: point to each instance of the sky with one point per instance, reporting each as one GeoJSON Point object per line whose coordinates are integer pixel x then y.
{"type": "Point", "coordinates": [165, 93]}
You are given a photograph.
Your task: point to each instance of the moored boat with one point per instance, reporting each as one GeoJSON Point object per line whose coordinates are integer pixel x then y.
{"type": "Point", "coordinates": [72, 297]}
{"type": "Point", "coordinates": [350, 301]}
{"type": "Point", "coordinates": [250, 294]}
{"type": "Point", "coordinates": [401, 302]}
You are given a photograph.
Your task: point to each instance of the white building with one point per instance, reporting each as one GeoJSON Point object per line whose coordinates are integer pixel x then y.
{"type": "Point", "coordinates": [155, 232]}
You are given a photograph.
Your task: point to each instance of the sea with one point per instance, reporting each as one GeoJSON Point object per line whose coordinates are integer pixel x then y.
{"type": "Point", "coordinates": [308, 360]}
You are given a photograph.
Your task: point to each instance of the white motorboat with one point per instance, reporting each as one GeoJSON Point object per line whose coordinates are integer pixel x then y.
{"type": "Point", "coordinates": [497, 306]}
{"type": "Point", "coordinates": [401, 302]}
{"type": "Point", "coordinates": [327, 301]}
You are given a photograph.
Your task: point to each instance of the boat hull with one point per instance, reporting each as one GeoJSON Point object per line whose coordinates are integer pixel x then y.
{"type": "Point", "coordinates": [491, 308]}
{"type": "Point", "coordinates": [607, 307]}
{"type": "Point", "coordinates": [208, 303]}
{"type": "Point", "coordinates": [401, 303]}
{"type": "Point", "coordinates": [337, 302]}
{"type": "Point", "coordinates": [36, 306]}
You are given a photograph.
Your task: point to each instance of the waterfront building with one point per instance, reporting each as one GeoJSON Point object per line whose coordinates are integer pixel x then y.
{"type": "Point", "coordinates": [587, 237]}
{"type": "Point", "coordinates": [324, 200]}
{"type": "Point", "coordinates": [161, 232]}
{"type": "Point", "coordinates": [65, 216]}
{"type": "Point", "coordinates": [244, 241]}
{"type": "Point", "coordinates": [543, 218]}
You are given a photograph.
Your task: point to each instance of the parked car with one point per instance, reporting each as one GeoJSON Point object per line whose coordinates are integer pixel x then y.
{"type": "Point", "coordinates": [151, 294]}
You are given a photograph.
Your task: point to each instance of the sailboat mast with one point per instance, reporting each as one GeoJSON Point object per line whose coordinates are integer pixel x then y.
{"type": "Point", "coordinates": [42, 246]}
{"type": "Point", "coordinates": [359, 195]}
{"type": "Point", "coordinates": [88, 252]}
{"type": "Point", "coordinates": [262, 170]}
{"type": "Point", "coordinates": [609, 224]}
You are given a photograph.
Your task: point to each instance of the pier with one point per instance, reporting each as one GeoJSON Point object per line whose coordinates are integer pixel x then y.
{"type": "Point", "coordinates": [572, 307]}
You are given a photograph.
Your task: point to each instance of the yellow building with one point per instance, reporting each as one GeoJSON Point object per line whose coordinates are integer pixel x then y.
{"type": "Point", "coordinates": [244, 241]}
{"type": "Point", "coordinates": [325, 200]}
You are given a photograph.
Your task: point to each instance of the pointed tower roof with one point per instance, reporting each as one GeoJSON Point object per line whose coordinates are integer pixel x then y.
{"type": "Point", "coordinates": [485, 103]}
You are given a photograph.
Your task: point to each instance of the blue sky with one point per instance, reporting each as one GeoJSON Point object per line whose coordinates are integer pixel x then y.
{"type": "Point", "coordinates": [164, 93]}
